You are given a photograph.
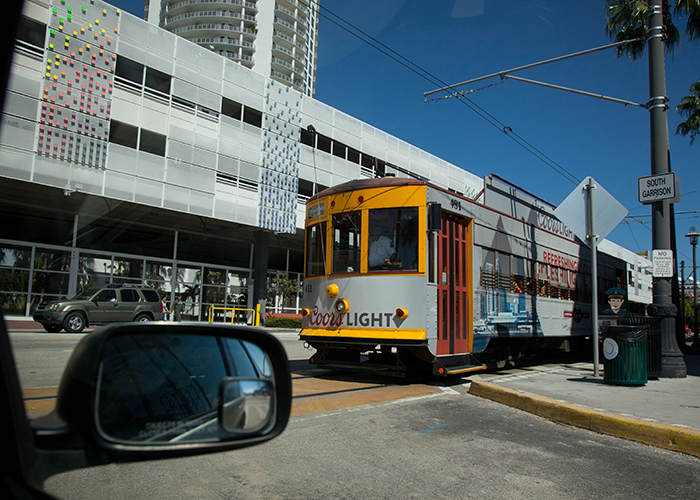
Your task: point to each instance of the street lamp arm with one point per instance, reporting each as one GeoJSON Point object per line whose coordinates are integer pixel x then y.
{"type": "Point", "coordinates": [502, 74]}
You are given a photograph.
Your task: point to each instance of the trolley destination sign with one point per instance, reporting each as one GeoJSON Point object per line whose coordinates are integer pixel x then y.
{"type": "Point", "coordinates": [657, 188]}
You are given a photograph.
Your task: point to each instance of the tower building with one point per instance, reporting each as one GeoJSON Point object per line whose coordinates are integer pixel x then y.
{"type": "Point", "coordinates": [274, 38]}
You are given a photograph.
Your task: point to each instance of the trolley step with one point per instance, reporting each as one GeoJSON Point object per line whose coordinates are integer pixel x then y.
{"type": "Point", "coordinates": [456, 365]}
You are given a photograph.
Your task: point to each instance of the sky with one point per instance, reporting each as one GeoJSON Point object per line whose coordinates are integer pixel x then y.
{"type": "Point", "coordinates": [458, 40]}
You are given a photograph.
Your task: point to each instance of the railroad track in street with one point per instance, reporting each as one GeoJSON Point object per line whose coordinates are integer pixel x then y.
{"type": "Point", "coordinates": [317, 391]}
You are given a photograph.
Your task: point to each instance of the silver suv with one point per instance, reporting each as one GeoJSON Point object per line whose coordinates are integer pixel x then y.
{"type": "Point", "coordinates": [93, 306]}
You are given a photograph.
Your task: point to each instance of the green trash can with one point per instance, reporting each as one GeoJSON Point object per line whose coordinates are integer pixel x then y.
{"type": "Point", "coordinates": [653, 341]}
{"type": "Point", "coordinates": [625, 354]}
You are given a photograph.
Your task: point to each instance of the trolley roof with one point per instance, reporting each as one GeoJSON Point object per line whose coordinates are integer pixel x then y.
{"type": "Point", "coordinates": [368, 183]}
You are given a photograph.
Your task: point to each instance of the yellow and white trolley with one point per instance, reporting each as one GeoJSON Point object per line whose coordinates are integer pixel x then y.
{"type": "Point", "coordinates": [399, 272]}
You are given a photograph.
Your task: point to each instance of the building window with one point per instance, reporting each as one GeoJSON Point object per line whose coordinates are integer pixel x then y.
{"type": "Point", "coordinates": [31, 32]}
{"type": "Point", "coordinates": [353, 155]}
{"type": "Point", "coordinates": [367, 161]}
{"type": "Point", "coordinates": [252, 116]}
{"type": "Point", "coordinates": [231, 108]}
{"type": "Point", "coordinates": [157, 80]}
{"type": "Point", "coordinates": [129, 70]}
{"type": "Point", "coordinates": [324, 143]}
{"type": "Point", "coordinates": [305, 189]}
{"type": "Point", "coordinates": [123, 134]}
{"type": "Point", "coordinates": [339, 149]}
{"type": "Point", "coordinates": [308, 138]}
{"type": "Point", "coordinates": [152, 142]}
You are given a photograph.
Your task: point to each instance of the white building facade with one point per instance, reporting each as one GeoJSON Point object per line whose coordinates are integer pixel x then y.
{"type": "Point", "coordinates": [133, 154]}
{"type": "Point", "coordinates": [275, 38]}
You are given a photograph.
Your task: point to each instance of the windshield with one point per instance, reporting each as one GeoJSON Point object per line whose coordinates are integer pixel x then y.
{"type": "Point", "coordinates": [346, 242]}
{"type": "Point", "coordinates": [393, 239]}
{"type": "Point", "coordinates": [175, 145]}
{"type": "Point", "coordinates": [315, 250]}
{"type": "Point", "coordinates": [86, 294]}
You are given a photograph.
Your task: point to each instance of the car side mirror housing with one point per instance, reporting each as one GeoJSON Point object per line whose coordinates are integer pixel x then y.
{"type": "Point", "coordinates": [144, 391]}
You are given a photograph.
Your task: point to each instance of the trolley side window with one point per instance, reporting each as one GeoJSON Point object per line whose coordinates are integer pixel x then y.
{"type": "Point", "coordinates": [393, 239]}
{"type": "Point", "coordinates": [315, 255]}
{"type": "Point", "coordinates": [346, 242]}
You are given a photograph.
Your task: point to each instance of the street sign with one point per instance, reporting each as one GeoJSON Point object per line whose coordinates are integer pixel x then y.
{"type": "Point", "coordinates": [662, 263]}
{"type": "Point", "coordinates": [657, 188]}
{"type": "Point", "coordinates": [573, 212]}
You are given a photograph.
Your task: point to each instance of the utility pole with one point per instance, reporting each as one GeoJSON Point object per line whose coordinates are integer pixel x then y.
{"type": "Point", "coordinates": [693, 235]}
{"type": "Point", "coordinates": [672, 363]}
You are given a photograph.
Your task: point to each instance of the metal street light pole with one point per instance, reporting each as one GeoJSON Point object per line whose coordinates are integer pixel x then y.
{"type": "Point", "coordinates": [693, 235]}
{"type": "Point", "coordinates": [682, 290]}
{"type": "Point", "coordinates": [672, 363]}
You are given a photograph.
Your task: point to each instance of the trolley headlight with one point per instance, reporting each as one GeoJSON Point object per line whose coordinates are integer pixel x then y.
{"type": "Point", "coordinates": [305, 312]}
{"type": "Point", "coordinates": [401, 313]}
{"type": "Point", "coordinates": [332, 290]}
{"type": "Point", "coordinates": [341, 306]}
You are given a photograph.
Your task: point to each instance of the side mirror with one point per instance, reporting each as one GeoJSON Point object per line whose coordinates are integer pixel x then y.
{"type": "Point", "coordinates": [143, 391]}
{"type": "Point", "coordinates": [434, 217]}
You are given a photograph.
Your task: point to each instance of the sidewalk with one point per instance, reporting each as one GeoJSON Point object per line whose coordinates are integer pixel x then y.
{"type": "Point", "coordinates": [663, 413]}
{"type": "Point", "coordinates": [26, 324]}
{"type": "Point", "coordinates": [22, 323]}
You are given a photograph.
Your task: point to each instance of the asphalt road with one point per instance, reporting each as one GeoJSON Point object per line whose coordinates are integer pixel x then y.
{"type": "Point", "coordinates": [447, 446]}
{"type": "Point", "coordinates": [42, 357]}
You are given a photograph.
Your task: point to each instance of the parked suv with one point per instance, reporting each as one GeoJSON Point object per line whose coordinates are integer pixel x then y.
{"type": "Point", "coordinates": [109, 304]}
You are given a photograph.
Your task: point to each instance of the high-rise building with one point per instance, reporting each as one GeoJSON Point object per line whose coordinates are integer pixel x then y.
{"type": "Point", "coordinates": [275, 38]}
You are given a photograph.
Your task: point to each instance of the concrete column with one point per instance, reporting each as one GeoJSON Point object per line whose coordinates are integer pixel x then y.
{"type": "Point", "coordinates": [260, 257]}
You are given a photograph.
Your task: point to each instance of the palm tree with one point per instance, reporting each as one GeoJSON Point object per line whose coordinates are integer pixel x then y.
{"type": "Point", "coordinates": [626, 20]}
{"type": "Point", "coordinates": [690, 108]}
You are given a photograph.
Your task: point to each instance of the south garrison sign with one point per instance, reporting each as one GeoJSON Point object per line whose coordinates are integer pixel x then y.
{"type": "Point", "coordinates": [657, 188]}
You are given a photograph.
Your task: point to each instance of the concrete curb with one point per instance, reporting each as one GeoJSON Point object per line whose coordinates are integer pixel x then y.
{"type": "Point", "coordinates": [654, 434]}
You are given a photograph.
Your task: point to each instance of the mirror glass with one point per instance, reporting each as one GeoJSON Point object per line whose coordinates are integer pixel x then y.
{"type": "Point", "coordinates": [247, 405]}
{"type": "Point", "coordinates": [166, 388]}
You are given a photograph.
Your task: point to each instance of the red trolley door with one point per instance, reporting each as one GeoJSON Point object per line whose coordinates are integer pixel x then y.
{"type": "Point", "coordinates": [453, 286]}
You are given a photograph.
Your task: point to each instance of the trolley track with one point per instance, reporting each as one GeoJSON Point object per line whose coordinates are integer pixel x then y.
{"type": "Point", "coordinates": [313, 391]}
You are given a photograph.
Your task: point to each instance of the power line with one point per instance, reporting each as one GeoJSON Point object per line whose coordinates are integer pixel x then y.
{"type": "Point", "coordinates": [496, 123]}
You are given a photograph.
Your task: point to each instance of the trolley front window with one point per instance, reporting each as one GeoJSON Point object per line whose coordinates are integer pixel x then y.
{"type": "Point", "coordinates": [315, 245]}
{"type": "Point", "coordinates": [393, 239]}
{"type": "Point", "coordinates": [346, 242]}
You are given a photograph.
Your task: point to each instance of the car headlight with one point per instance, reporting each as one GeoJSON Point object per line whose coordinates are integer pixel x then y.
{"type": "Point", "coordinates": [53, 306]}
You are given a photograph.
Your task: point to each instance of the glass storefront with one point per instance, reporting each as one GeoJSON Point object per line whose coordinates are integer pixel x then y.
{"type": "Point", "coordinates": [33, 274]}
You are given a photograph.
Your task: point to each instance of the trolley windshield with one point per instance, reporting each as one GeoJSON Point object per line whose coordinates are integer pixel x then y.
{"type": "Point", "coordinates": [346, 242]}
{"type": "Point", "coordinates": [315, 251]}
{"type": "Point", "coordinates": [393, 239]}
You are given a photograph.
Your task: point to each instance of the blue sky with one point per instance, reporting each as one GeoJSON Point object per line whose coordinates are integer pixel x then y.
{"type": "Point", "coordinates": [457, 40]}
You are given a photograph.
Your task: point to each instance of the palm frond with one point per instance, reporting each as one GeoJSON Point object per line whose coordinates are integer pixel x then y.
{"type": "Point", "coordinates": [689, 107]}
{"type": "Point", "coordinates": [691, 8]}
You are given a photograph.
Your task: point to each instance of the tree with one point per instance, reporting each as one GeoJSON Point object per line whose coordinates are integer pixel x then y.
{"type": "Point", "coordinates": [626, 20]}
{"type": "Point", "coordinates": [690, 108]}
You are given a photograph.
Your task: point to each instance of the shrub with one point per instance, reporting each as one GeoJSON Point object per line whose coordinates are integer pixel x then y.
{"type": "Point", "coordinates": [283, 323]}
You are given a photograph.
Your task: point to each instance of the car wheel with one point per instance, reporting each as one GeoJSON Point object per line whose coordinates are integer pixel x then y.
{"type": "Point", "coordinates": [143, 317]}
{"type": "Point", "coordinates": [53, 328]}
{"type": "Point", "coordinates": [74, 322]}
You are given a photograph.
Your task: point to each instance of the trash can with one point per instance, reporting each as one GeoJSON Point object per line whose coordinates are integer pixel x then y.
{"type": "Point", "coordinates": [653, 341]}
{"type": "Point", "coordinates": [625, 354]}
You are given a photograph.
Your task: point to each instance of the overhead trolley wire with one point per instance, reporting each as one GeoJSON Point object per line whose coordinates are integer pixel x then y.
{"type": "Point", "coordinates": [408, 64]}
